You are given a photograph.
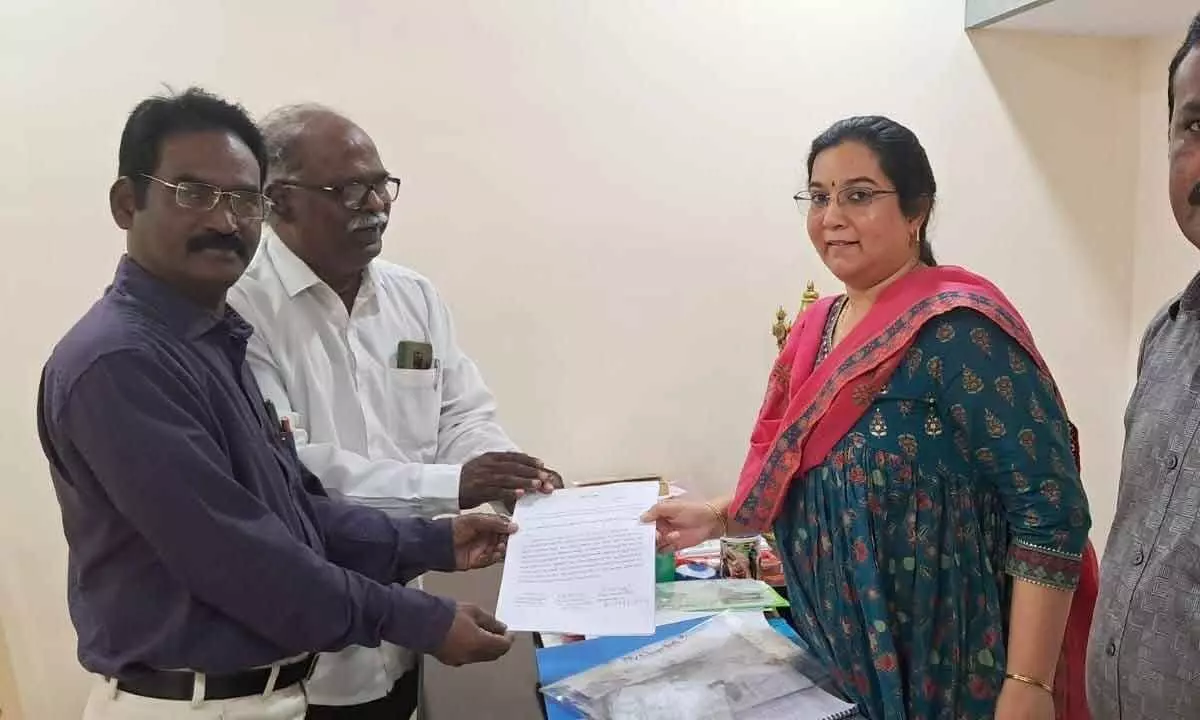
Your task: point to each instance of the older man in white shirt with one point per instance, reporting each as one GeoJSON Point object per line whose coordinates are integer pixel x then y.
{"type": "Point", "coordinates": [360, 355]}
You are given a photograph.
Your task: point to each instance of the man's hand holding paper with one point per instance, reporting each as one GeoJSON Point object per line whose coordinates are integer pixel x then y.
{"type": "Point", "coordinates": [504, 477]}
{"type": "Point", "coordinates": [480, 540]}
{"type": "Point", "coordinates": [474, 636]}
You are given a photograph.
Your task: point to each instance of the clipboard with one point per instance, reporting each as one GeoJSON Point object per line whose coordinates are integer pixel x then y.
{"type": "Point", "coordinates": [664, 488]}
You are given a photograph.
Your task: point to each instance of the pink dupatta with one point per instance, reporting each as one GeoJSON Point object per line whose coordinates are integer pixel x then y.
{"type": "Point", "coordinates": [809, 408]}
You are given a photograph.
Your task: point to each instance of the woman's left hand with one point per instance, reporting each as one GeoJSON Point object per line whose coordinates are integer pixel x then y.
{"type": "Point", "coordinates": [1021, 701]}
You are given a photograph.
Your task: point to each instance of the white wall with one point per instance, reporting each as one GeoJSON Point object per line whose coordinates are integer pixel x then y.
{"type": "Point", "coordinates": [601, 189]}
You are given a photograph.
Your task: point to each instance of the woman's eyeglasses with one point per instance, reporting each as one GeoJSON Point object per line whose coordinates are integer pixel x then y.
{"type": "Point", "coordinates": [848, 198]}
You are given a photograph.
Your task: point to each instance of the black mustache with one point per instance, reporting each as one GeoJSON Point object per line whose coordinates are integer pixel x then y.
{"type": "Point", "coordinates": [218, 241]}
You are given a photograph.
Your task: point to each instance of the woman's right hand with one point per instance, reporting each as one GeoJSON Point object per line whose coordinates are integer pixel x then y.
{"type": "Point", "coordinates": [683, 523]}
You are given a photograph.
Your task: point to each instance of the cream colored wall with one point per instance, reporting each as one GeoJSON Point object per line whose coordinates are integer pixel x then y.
{"type": "Point", "coordinates": [10, 707]}
{"type": "Point", "coordinates": [1037, 220]}
{"type": "Point", "coordinates": [601, 189]}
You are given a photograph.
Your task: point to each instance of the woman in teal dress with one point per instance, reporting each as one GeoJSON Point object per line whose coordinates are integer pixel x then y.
{"type": "Point", "coordinates": [915, 460]}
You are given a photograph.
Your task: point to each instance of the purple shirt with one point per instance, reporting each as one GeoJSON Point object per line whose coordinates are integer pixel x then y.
{"type": "Point", "coordinates": [197, 539]}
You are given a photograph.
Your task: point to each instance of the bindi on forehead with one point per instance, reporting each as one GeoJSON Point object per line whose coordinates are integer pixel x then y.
{"type": "Point", "coordinates": [850, 163]}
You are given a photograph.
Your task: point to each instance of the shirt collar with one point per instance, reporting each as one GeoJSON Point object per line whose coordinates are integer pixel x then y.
{"type": "Point", "coordinates": [1189, 301]}
{"type": "Point", "coordinates": [293, 272]}
{"type": "Point", "coordinates": [296, 276]}
{"type": "Point", "coordinates": [180, 314]}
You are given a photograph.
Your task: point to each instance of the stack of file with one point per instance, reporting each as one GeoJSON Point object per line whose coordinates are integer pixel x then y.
{"type": "Point", "coordinates": [717, 596]}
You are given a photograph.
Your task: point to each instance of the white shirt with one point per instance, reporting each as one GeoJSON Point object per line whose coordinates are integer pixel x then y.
{"type": "Point", "coordinates": [385, 437]}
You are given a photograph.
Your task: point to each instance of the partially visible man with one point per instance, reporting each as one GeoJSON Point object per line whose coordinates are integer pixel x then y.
{"type": "Point", "coordinates": [205, 563]}
{"type": "Point", "coordinates": [1144, 654]}
{"type": "Point", "coordinates": [361, 355]}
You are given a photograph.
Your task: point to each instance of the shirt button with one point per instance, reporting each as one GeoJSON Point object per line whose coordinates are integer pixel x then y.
{"type": "Point", "coordinates": [1172, 461]}
{"type": "Point", "coordinates": [1111, 650]}
{"type": "Point", "coordinates": [1139, 557]}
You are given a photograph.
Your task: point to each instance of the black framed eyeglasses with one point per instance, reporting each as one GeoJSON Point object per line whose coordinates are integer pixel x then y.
{"type": "Point", "coordinates": [848, 198]}
{"type": "Point", "coordinates": [191, 195]}
{"type": "Point", "coordinates": [353, 195]}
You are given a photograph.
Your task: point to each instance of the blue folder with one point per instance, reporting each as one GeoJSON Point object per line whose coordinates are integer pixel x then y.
{"type": "Point", "coordinates": [561, 661]}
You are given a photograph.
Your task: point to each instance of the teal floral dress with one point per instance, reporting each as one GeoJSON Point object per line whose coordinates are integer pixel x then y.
{"type": "Point", "coordinates": [900, 549]}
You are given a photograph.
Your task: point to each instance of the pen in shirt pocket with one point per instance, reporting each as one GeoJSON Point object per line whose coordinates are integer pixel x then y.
{"type": "Point", "coordinates": [437, 374]}
{"type": "Point", "coordinates": [273, 423]}
{"type": "Point", "coordinates": [286, 432]}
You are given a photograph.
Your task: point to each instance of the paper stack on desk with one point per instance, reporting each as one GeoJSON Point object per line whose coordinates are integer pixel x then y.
{"type": "Point", "coordinates": [581, 562]}
{"type": "Point", "coordinates": [717, 595]}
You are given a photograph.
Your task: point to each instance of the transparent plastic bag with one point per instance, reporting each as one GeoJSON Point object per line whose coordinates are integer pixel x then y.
{"type": "Point", "coordinates": [723, 667]}
{"type": "Point", "coordinates": [668, 701]}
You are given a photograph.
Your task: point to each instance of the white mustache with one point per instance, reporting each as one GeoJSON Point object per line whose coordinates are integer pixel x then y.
{"type": "Point", "coordinates": [367, 222]}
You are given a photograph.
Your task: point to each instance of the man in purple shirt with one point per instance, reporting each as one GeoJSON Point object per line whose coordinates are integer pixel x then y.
{"type": "Point", "coordinates": [206, 564]}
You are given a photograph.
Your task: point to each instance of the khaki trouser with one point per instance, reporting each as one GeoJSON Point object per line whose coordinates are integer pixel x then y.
{"type": "Point", "coordinates": [107, 703]}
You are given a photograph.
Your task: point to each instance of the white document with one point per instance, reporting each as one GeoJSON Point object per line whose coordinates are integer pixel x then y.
{"type": "Point", "coordinates": [581, 562]}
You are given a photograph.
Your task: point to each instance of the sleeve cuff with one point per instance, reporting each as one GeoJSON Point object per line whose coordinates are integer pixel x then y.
{"type": "Point", "coordinates": [439, 539]}
{"type": "Point", "coordinates": [439, 489]}
{"type": "Point", "coordinates": [420, 621]}
{"type": "Point", "coordinates": [1043, 566]}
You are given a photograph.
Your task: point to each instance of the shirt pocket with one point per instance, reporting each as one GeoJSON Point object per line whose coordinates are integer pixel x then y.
{"type": "Point", "coordinates": [416, 379]}
{"type": "Point", "coordinates": [903, 421]}
{"type": "Point", "coordinates": [414, 403]}
{"type": "Point", "coordinates": [900, 426]}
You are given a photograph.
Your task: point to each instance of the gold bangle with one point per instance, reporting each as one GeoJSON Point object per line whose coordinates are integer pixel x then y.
{"type": "Point", "coordinates": [1030, 681]}
{"type": "Point", "coordinates": [720, 516]}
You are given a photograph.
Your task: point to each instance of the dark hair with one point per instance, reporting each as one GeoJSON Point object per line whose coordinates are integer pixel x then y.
{"type": "Point", "coordinates": [901, 158]}
{"type": "Point", "coordinates": [157, 118]}
{"type": "Point", "coordinates": [1189, 42]}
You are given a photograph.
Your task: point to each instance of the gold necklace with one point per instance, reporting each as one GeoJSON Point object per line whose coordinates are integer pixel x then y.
{"type": "Point", "coordinates": [837, 322]}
